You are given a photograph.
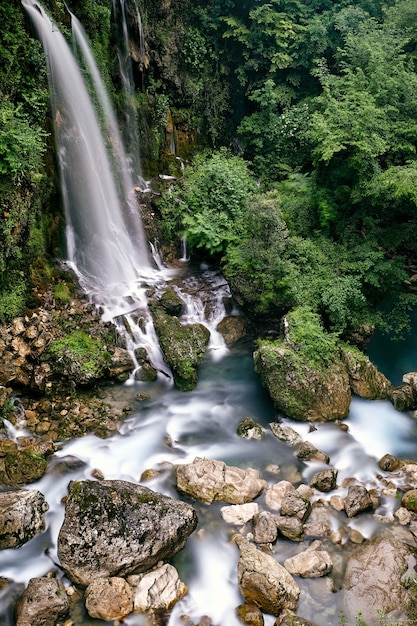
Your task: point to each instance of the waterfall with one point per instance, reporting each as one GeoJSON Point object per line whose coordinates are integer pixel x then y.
{"type": "Point", "coordinates": [106, 244]}
{"type": "Point", "coordinates": [99, 219]}
{"type": "Point", "coordinates": [126, 72]}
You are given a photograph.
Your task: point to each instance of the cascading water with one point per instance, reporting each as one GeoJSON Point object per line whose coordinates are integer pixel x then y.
{"type": "Point", "coordinates": [126, 72]}
{"type": "Point", "coordinates": [99, 224]}
{"type": "Point", "coordinates": [106, 244]}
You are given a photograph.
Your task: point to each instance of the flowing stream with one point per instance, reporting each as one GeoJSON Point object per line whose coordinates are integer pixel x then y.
{"type": "Point", "coordinates": [170, 427]}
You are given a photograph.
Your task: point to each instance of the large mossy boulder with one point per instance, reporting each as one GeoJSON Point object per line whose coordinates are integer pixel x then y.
{"type": "Point", "coordinates": [303, 372]}
{"type": "Point", "coordinates": [183, 346]}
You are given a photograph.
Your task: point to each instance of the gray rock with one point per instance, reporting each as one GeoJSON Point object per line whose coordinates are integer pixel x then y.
{"type": "Point", "coordinates": [307, 452]}
{"type": "Point", "coordinates": [239, 514]}
{"type": "Point", "coordinates": [357, 500]}
{"type": "Point", "coordinates": [158, 590]}
{"type": "Point", "coordinates": [263, 581]}
{"type": "Point", "coordinates": [324, 480]}
{"type": "Point", "coordinates": [22, 516]}
{"type": "Point", "coordinates": [275, 494]}
{"type": "Point", "coordinates": [309, 564]}
{"type": "Point", "coordinates": [115, 528]}
{"type": "Point", "coordinates": [265, 528]}
{"type": "Point", "coordinates": [43, 603]}
{"type": "Point", "coordinates": [209, 480]}
{"type": "Point", "coordinates": [283, 432]}
{"type": "Point", "coordinates": [109, 598]}
{"type": "Point", "coordinates": [373, 582]}
{"type": "Point", "coordinates": [295, 505]}
{"type": "Point", "coordinates": [290, 527]}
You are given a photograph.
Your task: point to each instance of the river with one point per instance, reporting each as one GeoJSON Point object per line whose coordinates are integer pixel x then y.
{"type": "Point", "coordinates": [171, 427]}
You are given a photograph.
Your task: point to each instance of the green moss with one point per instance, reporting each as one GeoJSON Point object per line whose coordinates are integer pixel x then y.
{"type": "Point", "coordinates": [80, 357]}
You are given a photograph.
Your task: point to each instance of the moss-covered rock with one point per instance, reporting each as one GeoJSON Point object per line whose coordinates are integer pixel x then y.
{"type": "Point", "coordinates": [80, 357]}
{"type": "Point", "coordinates": [183, 346]}
{"type": "Point", "coordinates": [303, 372]}
{"type": "Point", "coordinates": [20, 466]}
{"type": "Point", "coordinates": [365, 379]}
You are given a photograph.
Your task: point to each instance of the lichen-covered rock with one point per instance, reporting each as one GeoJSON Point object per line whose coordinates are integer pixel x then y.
{"type": "Point", "coordinates": [109, 598]}
{"type": "Point", "coordinates": [183, 346]}
{"type": "Point", "coordinates": [263, 581]}
{"type": "Point", "coordinates": [366, 380]}
{"type": "Point", "coordinates": [373, 582]}
{"type": "Point", "coordinates": [209, 480]}
{"type": "Point", "coordinates": [22, 516]}
{"type": "Point", "coordinates": [250, 615]}
{"type": "Point", "coordinates": [115, 528]}
{"type": "Point", "coordinates": [43, 603]}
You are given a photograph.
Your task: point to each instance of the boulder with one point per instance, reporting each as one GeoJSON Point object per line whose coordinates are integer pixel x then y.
{"type": "Point", "coordinates": [22, 516]}
{"type": "Point", "coordinates": [263, 581]}
{"type": "Point", "coordinates": [183, 346]}
{"type": "Point", "coordinates": [20, 466]}
{"type": "Point", "coordinates": [402, 397]}
{"type": "Point", "coordinates": [43, 603]}
{"type": "Point", "coordinates": [158, 590]}
{"type": "Point", "coordinates": [116, 528]}
{"type": "Point", "coordinates": [109, 598]}
{"type": "Point", "coordinates": [309, 564]}
{"type": "Point", "coordinates": [209, 480]}
{"type": "Point", "coordinates": [303, 387]}
{"type": "Point", "coordinates": [373, 582]}
{"type": "Point", "coordinates": [409, 500]}
{"type": "Point", "coordinates": [232, 328]}
{"type": "Point", "coordinates": [366, 381]}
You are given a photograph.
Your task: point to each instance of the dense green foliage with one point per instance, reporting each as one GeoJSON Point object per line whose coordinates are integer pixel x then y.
{"type": "Point", "coordinates": [326, 115]}
{"type": "Point", "coordinates": [315, 101]}
{"type": "Point", "coordinates": [23, 186]}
